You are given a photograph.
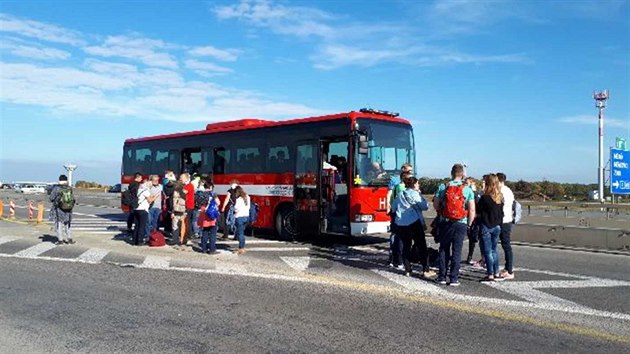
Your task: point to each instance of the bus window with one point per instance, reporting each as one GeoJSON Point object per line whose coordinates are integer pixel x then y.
{"type": "Point", "coordinates": [128, 163]}
{"type": "Point", "coordinates": [160, 162]}
{"type": "Point", "coordinates": [248, 160]}
{"type": "Point", "coordinates": [191, 161]}
{"type": "Point", "coordinates": [278, 159]}
{"type": "Point", "coordinates": [143, 160]}
{"type": "Point", "coordinates": [221, 160]}
{"type": "Point", "coordinates": [206, 161]}
{"type": "Point", "coordinates": [173, 160]}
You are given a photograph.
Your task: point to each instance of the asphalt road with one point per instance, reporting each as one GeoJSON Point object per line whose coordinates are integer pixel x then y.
{"type": "Point", "coordinates": [57, 307]}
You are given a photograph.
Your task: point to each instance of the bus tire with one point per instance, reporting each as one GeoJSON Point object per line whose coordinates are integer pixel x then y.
{"type": "Point", "coordinates": [285, 223]}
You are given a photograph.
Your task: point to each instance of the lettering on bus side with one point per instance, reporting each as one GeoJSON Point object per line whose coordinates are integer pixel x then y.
{"type": "Point", "coordinates": [279, 190]}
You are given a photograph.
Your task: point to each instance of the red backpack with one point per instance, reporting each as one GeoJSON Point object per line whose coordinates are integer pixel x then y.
{"type": "Point", "coordinates": [454, 204]}
{"type": "Point", "coordinates": [156, 239]}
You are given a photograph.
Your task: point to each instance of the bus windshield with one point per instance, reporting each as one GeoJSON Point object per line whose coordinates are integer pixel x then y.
{"type": "Point", "coordinates": [390, 145]}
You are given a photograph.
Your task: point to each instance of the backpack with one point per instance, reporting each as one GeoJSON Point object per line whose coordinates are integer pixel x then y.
{"type": "Point", "coordinates": [156, 239]}
{"type": "Point", "coordinates": [201, 199]}
{"type": "Point", "coordinates": [253, 212]}
{"type": "Point", "coordinates": [179, 203]}
{"type": "Point", "coordinates": [65, 199]}
{"type": "Point", "coordinates": [517, 211]}
{"type": "Point", "coordinates": [212, 211]}
{"type": "Point", "coordinates": [130, 196]}
{"type": "Point", "coordinates": [454, 202]}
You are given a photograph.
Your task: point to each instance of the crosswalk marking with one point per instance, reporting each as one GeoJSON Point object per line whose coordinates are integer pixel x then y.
{"type": "Point", "coordinates": [6, 239]}
{"type": "Point", "coordinates": [156, 262]}
{"type": "Point", "coordinates": [36, 250]}
{"type": "Point", "coordinates": [277, 249]}
{"type": "Point", "coordinates": [298, 263]}
{"type": "Point", "coordinates": [93, 255]}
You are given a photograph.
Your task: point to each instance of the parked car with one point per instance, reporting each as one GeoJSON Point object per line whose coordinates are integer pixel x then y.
{"type": "Point", "coordinates": [117, 188]}
{"type": "Point", "coordinates": [31, 189]}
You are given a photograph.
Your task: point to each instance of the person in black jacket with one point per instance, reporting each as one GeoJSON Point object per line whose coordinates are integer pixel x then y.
{"type": "Point", "coordinates": [168, 184]}
{"type": "Point", "coordinates": [489, 217]}
{"type": "Point", "coordinates": [133, 193]}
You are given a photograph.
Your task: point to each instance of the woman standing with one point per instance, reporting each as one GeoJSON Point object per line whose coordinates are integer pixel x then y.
{"type": "Point", "coordinates": [408, 207]}
{"type": "Point", "coordinates": [489, 217]}
{"type": "Point", "coordinates": [208, 225]}
{"type": "Point", "coordinates": [241, 216]}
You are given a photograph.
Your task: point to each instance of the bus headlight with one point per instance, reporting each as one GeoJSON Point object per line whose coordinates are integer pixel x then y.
{"type": "Point", "coordinates": [364, 218]}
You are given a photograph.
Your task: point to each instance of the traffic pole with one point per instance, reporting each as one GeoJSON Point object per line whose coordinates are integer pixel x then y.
{"type": "Point", "coordinates": [30, 210]}
{"type": "Point", "coordinates": [40, 212]}
{"type": "Point", "coordinates": [12, 209]}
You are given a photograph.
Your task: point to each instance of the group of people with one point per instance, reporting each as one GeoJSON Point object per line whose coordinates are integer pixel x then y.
{"type": "Point", "coordinates": [187, 207]}
{"type": "Point", "coordinates": [485, 216]}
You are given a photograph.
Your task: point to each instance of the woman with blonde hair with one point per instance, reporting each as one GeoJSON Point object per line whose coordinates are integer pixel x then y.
{"type": "Point", "coordinates": [490, 216]}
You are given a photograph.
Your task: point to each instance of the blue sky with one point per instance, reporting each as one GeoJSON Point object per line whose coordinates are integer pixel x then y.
{"type": "Point", "coordinates": [502, 85]}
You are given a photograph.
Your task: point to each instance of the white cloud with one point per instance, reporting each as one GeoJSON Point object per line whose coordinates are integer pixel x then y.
{"type": "Point", "coordinates": [151, 52]}
{"type": "Point", "coordinates": [39, 30]}
{"type": "Point", "coordinates": [219, 54]}
{"type": "Point", "coordinates": [32, 51]}
{"type": "Point", "coordinates": [342, 42]}
{"type": "Point", "coordinates": [205, 68]}
{"type": "Point", "coordinates": [586, 119]}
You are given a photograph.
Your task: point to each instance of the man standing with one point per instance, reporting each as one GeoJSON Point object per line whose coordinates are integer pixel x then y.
{"type": "Point", "coordinates": [61, 211]}
{"type": "Point", "coordinates": [189, 191]}
{"type": "Point", "coordinates": [506, 227]}
{"type": "Point", "coordinates": [130, 198]}
{"type": "Point", "coordinates": [168, 184]}
{"type": "Point", "coordinates": [155, 209]}
{"type": "Point", "coordinates": [455, 204]}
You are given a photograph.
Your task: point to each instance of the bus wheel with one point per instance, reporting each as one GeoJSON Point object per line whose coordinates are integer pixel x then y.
{"type": "Point", "coordinates": [285, 224]}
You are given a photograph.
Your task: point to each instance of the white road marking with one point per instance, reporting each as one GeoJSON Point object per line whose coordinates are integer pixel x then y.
{"type": "Point", "coordinates": [253, 242]}
{"type": "Point", "coordinates": [156, 262]}
{"type": "Point", "coordinates": [298, 263]}
{"type": "Point", "coordinates": [6, 239]}
{"type": "Point", "coordinates": [93, 255]}
{"type": "Point", "coordinates": [82, 214]}
{"type": "Point", "coordinates": [277, 249]}
{"type": "Point", "coordinates": [413, 284]}
{"type": "Point", "coordinates": [36, 250]}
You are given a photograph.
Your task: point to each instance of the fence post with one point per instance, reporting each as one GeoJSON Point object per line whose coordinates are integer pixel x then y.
{"type": "Point", "coordinates": [566, 212]}
{"type": "Point", "coordinates": [529, 210]}
{"type": "Point", "coordinates": [12, 209]}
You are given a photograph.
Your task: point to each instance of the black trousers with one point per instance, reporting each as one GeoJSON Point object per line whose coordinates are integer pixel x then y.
{"type": "Point", "coordinates": [130, 219]}
{"type": "Point", "coordinates": [142, 217]}
{"type": "Point", "coordinates": [414, 241]}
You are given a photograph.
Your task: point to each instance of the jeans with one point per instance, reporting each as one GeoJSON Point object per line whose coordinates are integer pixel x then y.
{"type": "Point", "coordinates": [63, 231]}
{"type": "Point", "coordinates": [240, 230]}
{"type": "Point", "coordinates": [189, 225]}
{"type": "Point", "coordinates": [506, 244]}
{"type": "Point", "coordinates": [195, 217]}
{"type": "Point", "coordinates": [489, 241]}
{"type": "Point", "coordinates": [154, 219]}
{"type": "Point", "coordinates": [452, 241]}
{"type": "Point", "coordinates": [395, 249]}
{"type": "Point", "coordinates": [209, 232]}
{"type": "Point", "coordinates": [141, 217]}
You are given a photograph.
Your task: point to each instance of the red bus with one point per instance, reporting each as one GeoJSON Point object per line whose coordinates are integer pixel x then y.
{"type": "Point", "coordinates": [309, 176]}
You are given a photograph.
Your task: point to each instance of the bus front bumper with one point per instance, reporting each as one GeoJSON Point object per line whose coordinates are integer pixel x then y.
{"type": "Point", "coordinates": [369, 228]}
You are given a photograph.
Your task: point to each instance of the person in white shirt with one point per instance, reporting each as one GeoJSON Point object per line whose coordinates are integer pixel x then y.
{"type": "Point", "coordinates": [142, 212]}
{"type": "Point", "coordinates": [506, 227]}
{"type": "Point", "coordinates": [241, 216]}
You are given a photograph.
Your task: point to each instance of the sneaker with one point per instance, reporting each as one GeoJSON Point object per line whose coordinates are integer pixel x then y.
{"type": "Point", "coordinates": [498, 277]}
{"type": "Point", "coordinates": [487, 278]}
{"type": "Point", "coordinates": [477, 265]}
{"type": "Point", "coordinates": [429, 274]}
{"type": "Point", "coordinates": [470, 261]}
{"type": "Point", "coordinates": [59, 243]}
{"type": "Point", "coordinates": [400, 267]}
{"type": "Point", "coordinates": [407, 274]}
{"type": "Point", "coordinates": [241, 251]}
{"type": "Point", "coordinates": [454, 283]}
{"type": "Point", "coordinates": [441, 281]}
{"type": "Point", "coordinates": [507, 275]}
{"type": "Point", "coordinates": [70, 242]}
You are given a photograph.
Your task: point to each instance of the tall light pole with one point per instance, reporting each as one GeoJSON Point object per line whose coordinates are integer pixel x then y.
{"type": "Point", "coordinates": [600, 102]}
{"type": "Point", "coordinates": [70, 167]}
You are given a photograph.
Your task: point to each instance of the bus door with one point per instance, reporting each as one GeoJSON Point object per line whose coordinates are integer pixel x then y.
{"type": "Point", "coordinates": [307, 190]}
{"type": "Point", "coordinates": [334, 185]}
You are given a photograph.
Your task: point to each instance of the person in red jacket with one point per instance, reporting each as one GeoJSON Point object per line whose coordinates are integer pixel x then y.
{"type": "Point", "coordinates": [189, 191]}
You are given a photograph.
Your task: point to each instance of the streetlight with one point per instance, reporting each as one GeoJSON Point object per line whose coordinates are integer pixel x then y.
{"type": "Point", "coordinates": [600, 102]}
{"type": "Point", "coordinates": [70, 167]}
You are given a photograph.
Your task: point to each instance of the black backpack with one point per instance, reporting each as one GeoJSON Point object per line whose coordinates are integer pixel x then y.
{"type": "Point", "coordinates": [130, 196]}
{"type": "Point", "coordinates": [201, 199]}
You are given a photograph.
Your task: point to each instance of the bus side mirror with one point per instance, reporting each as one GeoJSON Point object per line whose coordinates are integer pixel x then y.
{"type": "Point", "coordinates": [363, 144]}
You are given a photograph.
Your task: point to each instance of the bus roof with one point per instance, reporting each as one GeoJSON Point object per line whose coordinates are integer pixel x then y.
{"type": "Point", "coordinates": [252, 123]}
